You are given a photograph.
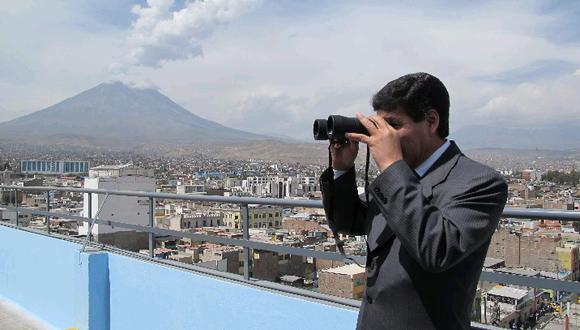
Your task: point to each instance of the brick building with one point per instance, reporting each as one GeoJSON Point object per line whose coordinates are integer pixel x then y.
{"type": "Point", "coordinates": [346, 281]}
{"type": "Point", "coordinates": [541, 251]}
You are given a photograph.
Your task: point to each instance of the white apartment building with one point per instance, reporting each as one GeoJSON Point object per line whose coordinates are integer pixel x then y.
{"type": "Point", "coordinates": [126, 209]}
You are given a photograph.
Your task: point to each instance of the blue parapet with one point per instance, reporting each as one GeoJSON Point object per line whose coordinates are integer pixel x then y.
{"type": "Point", "coordinates": [55, 282]}
{"type": "Point", "coordinates": [161, 297]}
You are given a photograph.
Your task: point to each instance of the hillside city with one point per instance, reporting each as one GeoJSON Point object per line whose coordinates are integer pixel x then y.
{"type": "Point", "coordinates": [539, 248]}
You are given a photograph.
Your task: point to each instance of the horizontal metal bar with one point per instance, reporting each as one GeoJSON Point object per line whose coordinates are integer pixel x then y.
{"type": "Point", "coordinates": [535, 214]}
{"type": "Point", "coordinates": [201, 237]}
{"type": "Point", "coordinates": [199, 198]}
{"type": "Point", "coordinates": [530, 281]}
{"type": "Point", "coordinates": [518, 213]}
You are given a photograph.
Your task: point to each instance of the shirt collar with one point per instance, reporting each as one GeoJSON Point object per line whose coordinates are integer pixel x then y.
{"type": "Point", "coordinates": [426, 165]}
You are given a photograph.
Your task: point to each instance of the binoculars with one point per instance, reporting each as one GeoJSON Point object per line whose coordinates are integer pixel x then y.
{"type": "Point", "coordinates": [336, 126]}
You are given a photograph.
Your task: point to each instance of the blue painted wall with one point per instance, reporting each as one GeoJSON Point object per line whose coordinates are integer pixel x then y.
{"type": "Point", "coordinates": [52, 280]}
{"type": "Point", "coordinates": [49, 278]}
{"type": "Point", "coordinates": [160, 297]}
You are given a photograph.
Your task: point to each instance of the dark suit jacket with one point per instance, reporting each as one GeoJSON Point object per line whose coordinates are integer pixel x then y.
{"type": "Point", "coordinates": [427, 238]}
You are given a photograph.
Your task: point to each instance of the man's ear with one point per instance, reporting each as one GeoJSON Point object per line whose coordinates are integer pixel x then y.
{"type": "Point", "coordinates": [432, 118]}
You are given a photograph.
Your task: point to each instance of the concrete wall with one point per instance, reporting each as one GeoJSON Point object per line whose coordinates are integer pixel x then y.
{"type": "Point", "coordinates": [53, 280]}
{"type": "Point", "coordinates": [159, 297]}
{"type": "Point", "coordinates": [56, 283]}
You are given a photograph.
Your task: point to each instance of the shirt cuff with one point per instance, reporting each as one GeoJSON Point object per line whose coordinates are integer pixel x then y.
{"type": "Point", "coordinates": [338, 173]}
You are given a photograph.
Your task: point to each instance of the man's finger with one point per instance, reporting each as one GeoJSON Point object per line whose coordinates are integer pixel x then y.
{"type": "Point", "coordinates": [371, 128]}
{"type": "Point", "coordinates": [357, 137]}
{"type": "Point", "coordinates": [379, 121]}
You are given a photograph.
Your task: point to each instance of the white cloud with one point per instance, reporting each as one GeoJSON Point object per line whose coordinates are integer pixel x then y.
{"type": "Point", "coordinates": [160, 34]}
{"type": "Point", "coordinates": [535, 104]}
{"type": "Point", "coordinates": [288, 66]}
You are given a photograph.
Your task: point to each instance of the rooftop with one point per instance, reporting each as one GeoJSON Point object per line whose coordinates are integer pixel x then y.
{"type": "Point", "coordinates": [351, 269]}
{"type": "Point", "coordinates": [509, 292]}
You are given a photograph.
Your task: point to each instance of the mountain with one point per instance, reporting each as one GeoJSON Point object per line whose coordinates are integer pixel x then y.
{"type": "Point", "coordinates": [560, 137]}
{"type": "Point", "coordinates": [114, 114]}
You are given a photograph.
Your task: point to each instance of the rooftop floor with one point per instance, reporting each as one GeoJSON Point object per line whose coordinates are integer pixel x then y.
{"type": "Point", "coordinates": [12, 317]}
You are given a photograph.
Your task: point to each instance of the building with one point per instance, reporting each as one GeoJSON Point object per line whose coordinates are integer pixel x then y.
{"type": "Point", "coordinates": [126, 209]}
{"type": "Point", "coordinates": [531, 249]}
{"type": "Point", "coordinates": [569, 260]}
{"type": "Point", "coordinates": [265, 265]}
{"type": "Point", "coordinates": [531, 175]}
{"type": "Point", "coordinates": [347, 281]}
{"type": "Point", "coordinates": [201, 219]}
{"type": "Point", "coordinates": [261, 216]}
{"type": "Point", "coordinates": [54, 167]}
{"type": "Point", "coordinates": [506, 305]}
{"type": "Point", "coordinates": [194, 189]}
{"type": "Point", "coordinates": [222, 258]}
{"type": "Point", "coordinates": [112, 171]}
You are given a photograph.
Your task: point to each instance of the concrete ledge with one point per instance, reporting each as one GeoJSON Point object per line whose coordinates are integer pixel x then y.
{"type": "Point", "coordinates": [66, 288]}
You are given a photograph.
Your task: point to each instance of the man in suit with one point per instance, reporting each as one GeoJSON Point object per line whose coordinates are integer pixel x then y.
{"type": "Point", "coordinates": [430, 215]}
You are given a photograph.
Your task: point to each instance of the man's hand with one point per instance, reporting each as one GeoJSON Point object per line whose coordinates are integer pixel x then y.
{"type": "Point", "coordinates": [343, 154]}
{"type": "Point", "coordinates": [383, 141]}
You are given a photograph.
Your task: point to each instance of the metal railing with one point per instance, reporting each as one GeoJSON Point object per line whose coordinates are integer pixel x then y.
{"type": "Point", "coordinates": [246, 243]}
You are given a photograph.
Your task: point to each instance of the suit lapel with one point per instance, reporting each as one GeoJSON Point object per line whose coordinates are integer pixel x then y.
{"type": "Point", "coordinates": [435, 175]}
{"type": "Point", "coordinates": [440, 170]}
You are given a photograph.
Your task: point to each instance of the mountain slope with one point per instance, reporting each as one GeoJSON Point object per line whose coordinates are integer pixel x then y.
{"type": "Point", "coordinates": [115, 113]}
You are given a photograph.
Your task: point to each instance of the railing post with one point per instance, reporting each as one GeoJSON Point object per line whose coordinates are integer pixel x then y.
{"type": "Point", "coordinates": [90, 214]}
{"type": "Point", "coordinates": [246, 230]}
{"type": "Point", "coordinates": [151, 218]}
{"type": "Point", "coordinates": [47, 199]}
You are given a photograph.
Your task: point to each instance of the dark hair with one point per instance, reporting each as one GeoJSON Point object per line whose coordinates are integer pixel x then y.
{"type": "Point", "coordinates": [416, 93]}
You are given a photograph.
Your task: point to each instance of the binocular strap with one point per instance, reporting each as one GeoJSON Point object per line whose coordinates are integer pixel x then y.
{"type": "Point", "coordinates": [339, 242]}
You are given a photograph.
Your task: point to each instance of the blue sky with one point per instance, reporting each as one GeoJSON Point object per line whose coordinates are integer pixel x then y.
{"type": "Point", "coordinates": [273, 66]}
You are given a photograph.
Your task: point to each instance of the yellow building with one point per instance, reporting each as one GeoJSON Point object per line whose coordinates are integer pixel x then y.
{"type": "Point", "coordinates": [568, 259]}
{"type": "Point", "coordinates": [261, 216]}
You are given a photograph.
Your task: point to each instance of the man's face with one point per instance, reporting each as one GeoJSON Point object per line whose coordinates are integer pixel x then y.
{"type": "Point", "coordinates": [417, 139]}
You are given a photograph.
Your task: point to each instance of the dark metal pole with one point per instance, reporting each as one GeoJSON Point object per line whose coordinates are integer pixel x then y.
{"type": "Point", "coordinates": [151, 218]}
{"type": "Point", "coordinates": [246, 230]}
{"type": "Point", "coordinates": [47, 199]}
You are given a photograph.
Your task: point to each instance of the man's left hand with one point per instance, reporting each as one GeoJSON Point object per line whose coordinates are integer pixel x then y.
{"type": "Point", "coordinates": [383, 140]}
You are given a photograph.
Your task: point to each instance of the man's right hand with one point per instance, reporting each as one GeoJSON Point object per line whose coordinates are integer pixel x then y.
{"type": "Point", "coordinates": [343, 154]}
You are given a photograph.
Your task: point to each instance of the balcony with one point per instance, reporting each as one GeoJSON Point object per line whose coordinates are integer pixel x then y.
{"type": "Point", "coordinates": [67, 282]}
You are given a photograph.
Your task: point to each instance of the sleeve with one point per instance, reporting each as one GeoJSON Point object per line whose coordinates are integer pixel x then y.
{"type": "Point", "coordinates": [345, 211]}
{"type": "Point", "coordinates": [440, 236]}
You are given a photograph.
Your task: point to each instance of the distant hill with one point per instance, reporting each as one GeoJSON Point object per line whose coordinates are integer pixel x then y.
{"type": "Point", "coordinates": [116, 115]}
{"type": "Point", "coordinates": [561, 137]}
